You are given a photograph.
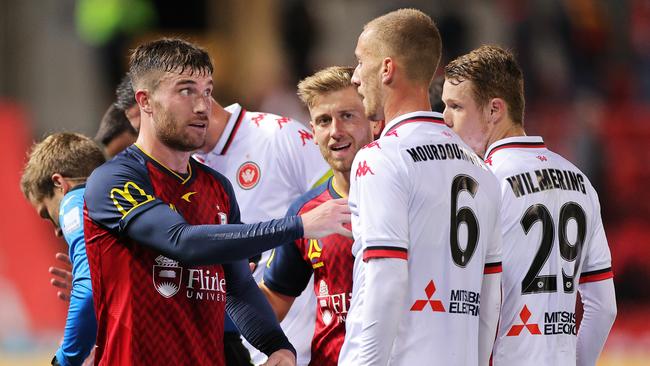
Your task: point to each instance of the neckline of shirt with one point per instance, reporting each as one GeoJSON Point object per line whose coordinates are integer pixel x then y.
{"type": "Point", "coordinates": [236, 112]}
{"type": "Point", "coordinates": [417, 116]}
{"type": "Point", "coordinates": [531, 142]}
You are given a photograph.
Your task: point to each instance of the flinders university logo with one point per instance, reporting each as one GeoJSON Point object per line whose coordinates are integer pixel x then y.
{"type": "Point", "coordinates": [167, 276]}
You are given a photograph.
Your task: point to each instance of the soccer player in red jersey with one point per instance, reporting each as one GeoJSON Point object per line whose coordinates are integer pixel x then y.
{"type": "Point", "coordinates": [341, 128]}
{"type": "Point", "coordinates": [163, 233]}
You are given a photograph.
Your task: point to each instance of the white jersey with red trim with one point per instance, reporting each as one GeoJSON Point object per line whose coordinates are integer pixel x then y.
{"type": "Point", "coordinates": [553, 239]}
{"type": "Point", "coordinates": [270, 160]}
{"type": "Point", "coordinates": [419, 193]}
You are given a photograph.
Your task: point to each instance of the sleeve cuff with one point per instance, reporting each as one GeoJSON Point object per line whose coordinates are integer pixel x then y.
{"type": "Point", "coordinates": [492, 268]}
{"type": "Point", "coordinates": [598, 275]}
{"type": "Point", "coordinates": [384, 252]}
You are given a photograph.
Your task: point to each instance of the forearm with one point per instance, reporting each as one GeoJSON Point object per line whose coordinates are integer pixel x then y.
{"type": "Point", "coordinates": [250, 311]}
{"type": "Point", "coordinates": [489, 315]}
{"type": "Point", "coordinates": [599, 303]}
{"type": "Point", "coordinates": [385, 293]}
{"type": "Point", "coordinates": [209, 244]}
{"type": "Point", "coordinates": [81, 325]}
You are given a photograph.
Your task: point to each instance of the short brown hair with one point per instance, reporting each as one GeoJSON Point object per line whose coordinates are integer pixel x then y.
{"type": "Point", "coordinates": [327, 80]}
{"type": "Point", "coordinates": [72, 155]}
{"type": "Point", "coordinates": [494, 73]}
{"type": "Point", "coordinates": [167, 55]}
{"type": "Point", "coordinates": [411, 36]}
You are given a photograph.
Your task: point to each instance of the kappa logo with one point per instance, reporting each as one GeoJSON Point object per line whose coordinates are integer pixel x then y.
{"type": "Point", "coordinates": [488, 161]}
{"type": "Point", "coordinates": [248, 175]}
{"type": "Point", "coordinates": [524, 315]}
{"type": "Point", "coordinates": [282, 120]}
{"type": "Point", "coordinates": [436, 305]}
{"type": "Point", "coordinates": [363, 169]}
{"type": "Point", "coordinates": [258, 118]}
{"type": "Point", "coordinates": [446, 134]}
{"type": "Point", "coordinates": [304, 136]}
{"type": "Point", "coordinates": [392, 133]}
{"type": "Point", "coordinates": [372, 144]}
{"type": "Point", "coordinates": [542, 158]}
{"type": "Point", "coordinates": [167, 276]}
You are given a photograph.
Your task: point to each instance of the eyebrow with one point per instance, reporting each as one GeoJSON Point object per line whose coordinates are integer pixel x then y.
{"type": "Point", "coordinates": [190, 82]}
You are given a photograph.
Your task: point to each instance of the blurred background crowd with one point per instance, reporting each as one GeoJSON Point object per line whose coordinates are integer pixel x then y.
{"type": "Point", "coordinates": [586, 64]}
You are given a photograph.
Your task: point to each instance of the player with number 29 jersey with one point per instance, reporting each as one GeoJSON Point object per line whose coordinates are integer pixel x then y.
{"type": "Point", "coordinates": [421, 194]}
{"type": "Point", "coordinates": [554, 241]}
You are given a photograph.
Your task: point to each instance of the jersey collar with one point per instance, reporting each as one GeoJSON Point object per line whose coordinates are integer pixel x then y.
{"type": "Point", "coordinates": [530, 142]}
{"type": "Point", "coordinates": [418, 116]}
{"type": "Point", "coordinates": [228, 134]}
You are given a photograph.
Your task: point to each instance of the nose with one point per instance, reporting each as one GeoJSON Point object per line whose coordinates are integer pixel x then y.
{"type": "Point", "coordinates": [336, 130]}
{"type": "Point", "coordinates": [446, 115]}
{"type": "Point", "coordinates": [355, 76]}
{"type": "Point", "coordinates": [203, 105]}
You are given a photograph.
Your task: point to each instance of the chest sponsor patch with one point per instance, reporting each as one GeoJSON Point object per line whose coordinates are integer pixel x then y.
{"type": "Point", "coordinates": [248, 175]}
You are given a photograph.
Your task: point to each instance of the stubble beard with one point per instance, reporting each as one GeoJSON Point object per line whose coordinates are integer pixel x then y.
{"type": "Point", "coordinates": [169, 134]}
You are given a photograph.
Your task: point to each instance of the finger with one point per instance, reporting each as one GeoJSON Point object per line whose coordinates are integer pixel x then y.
{"type": "Point", "coordinates": [63, 258]}
{"type": "Point", "coordinates": [63, 296]}
{"type": "Point", "coordinates": [60, 272]}
{"type": "Point", "coordinates": [60, 284]}
{"type": "Point", "coordinates": [252, 266]}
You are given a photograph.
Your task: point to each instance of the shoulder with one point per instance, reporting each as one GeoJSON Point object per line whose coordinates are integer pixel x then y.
{"type": "Point", "coordinates": [308, 200]}
{"type": "Point", "coordinates": [126, 163]}
{"type": "Point", "coordinates": [279, 128]}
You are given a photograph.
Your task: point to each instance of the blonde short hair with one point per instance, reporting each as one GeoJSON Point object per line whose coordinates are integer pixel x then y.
{"type": "Point", "coordinates": [411, 36]}
{"type": "Point", "coordinates": [72, 155]}
{"type": "Point", "coordinates": [325, 81]}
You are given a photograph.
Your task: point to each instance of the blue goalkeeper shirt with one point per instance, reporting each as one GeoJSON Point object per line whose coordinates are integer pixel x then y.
{"type": "Point", "coordinates": [81, 325]}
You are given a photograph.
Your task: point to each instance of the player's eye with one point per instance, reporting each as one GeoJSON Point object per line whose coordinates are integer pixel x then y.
{"type": "Point", "coordinates": [346, 115]}
{"type": "Point", "coordinates": [207, 93]}
{"type": "Point", "coordinates": [185, 92]}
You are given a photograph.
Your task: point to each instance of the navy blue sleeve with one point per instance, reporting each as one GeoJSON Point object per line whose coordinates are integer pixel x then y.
{"type": "Point", "coordinates": [119, 196]}
{"type": "Point", "coordinates": [250, 311]}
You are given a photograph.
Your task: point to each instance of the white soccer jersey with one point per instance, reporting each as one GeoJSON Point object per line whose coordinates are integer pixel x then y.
{"type": "Point", "coordinates": [270, 161]}
{"type": "Point", "coordinates": [553, 239]}
{"type": "Point", "coordinates": [419, 193]}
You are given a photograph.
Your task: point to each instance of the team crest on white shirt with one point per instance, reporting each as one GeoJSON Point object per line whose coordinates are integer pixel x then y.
{"type": "Point", "coordinates": [248, 175]}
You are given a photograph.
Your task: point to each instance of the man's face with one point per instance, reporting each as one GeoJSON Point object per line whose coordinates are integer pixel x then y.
{"type": "Point", "coordinates": [340, 127]}
{"type": "Point", "coordinates": [180, 107]}
{"type": "Point", "coordinates": [48, 209]}
{"type": "Point", "coordinates": [367, 76]}
{"type": "Point", "coordinates": [465, 116]}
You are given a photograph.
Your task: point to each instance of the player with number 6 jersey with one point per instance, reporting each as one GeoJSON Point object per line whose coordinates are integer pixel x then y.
{"type": "Point", "coordinates": [424, 215]}
{"type": "Point", "coordinates": [553, 236]}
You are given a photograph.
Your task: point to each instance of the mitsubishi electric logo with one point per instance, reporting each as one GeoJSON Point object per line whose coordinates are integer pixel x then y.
{"type": "Point", "coordinates": [167, 276]}
{"type": "Point", "coordinates": [524, 315]}
{"type": "Point", "coordinates": [436, 305]}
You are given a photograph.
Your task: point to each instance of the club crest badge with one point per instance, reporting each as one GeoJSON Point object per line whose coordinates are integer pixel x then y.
{"type": "Point", "coordinates": [167, 276]}
{"type": "Point", "coordinates": [248, 175]}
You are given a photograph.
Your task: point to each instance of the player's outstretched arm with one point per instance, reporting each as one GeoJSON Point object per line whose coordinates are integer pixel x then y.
{"type": "Point", "coordinates": [384, 301]}
{"type": "Point", "coordinates": [326, 219]}
{"type": "Point", "coordinates": [488, 316]}
{"type": "Point", "coordinates": [599, 303]}
{"type": "Point", "coordinates": [252, 314]}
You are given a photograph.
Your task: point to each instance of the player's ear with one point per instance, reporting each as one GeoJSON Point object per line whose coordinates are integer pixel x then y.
{"type": "Point", "coordinates": [498, 109]}
{"type": "Point", "coordinates": [142, 97]}
{"type": "Point", "coordinates": [387, 70]}
{"type": "Point", "coordinates": [60, 183]}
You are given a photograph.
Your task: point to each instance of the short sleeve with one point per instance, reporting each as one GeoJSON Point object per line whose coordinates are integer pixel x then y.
{"type": "Point", "coordinates": [379, 199]}
{"type": "Point", "coordinates": [598, 259]}
{"type": "Point", "coordinates": [117, 192]}
{"type": "Point", "coordinates": [300, 157]}
{"type": "Point", "coordinates": [286, 271]}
